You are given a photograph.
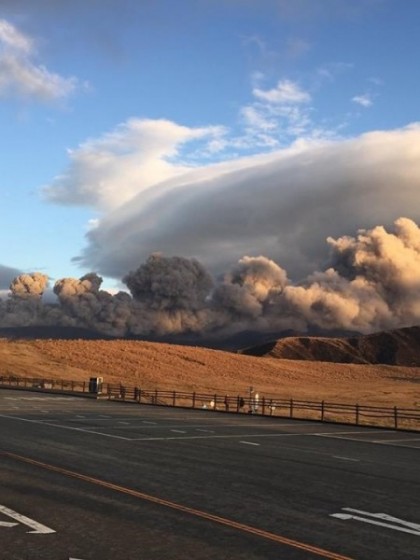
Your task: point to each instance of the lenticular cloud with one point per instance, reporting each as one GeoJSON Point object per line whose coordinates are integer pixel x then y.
{"type": "Point", "coordinates": [282, 205]}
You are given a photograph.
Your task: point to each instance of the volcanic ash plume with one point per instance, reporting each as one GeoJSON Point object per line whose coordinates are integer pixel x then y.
{"type": "Point", "coordinates": [372, 282]}
{"type": "Point", "coordinates": [29, 285]}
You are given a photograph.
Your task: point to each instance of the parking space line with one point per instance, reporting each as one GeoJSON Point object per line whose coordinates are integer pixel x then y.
{"type": "Point", "coordinates": [72, 428]}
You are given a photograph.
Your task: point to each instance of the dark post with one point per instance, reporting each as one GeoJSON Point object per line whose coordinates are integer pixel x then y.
{"type": "Point", "coordinates": [174, 399]}
{"type": "Point", "coordinates": [263, 406]}
{"type": "Point", "coordinates": [193, 400]}
{"type": "Point", "coordinates": [215, 402]}
{"type": "Point", "coordinates": [291, 408]}
{"type": "Point", "coordinates": [357, 414]}
{"type": "Point", "coordinates": [396, 417]}
{"type": "Point", "coordinates": [322, 411]}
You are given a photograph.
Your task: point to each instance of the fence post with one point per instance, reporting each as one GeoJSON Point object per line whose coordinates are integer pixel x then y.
{"type": "Point", "coordinates": [263, 406]}
{"type": "Point", "coordinates": [215, 402]}
{"type": "Point", "coordinates": [322, 410]}
{"type": "Point", "coordinates": [357, 414]}
{"type": "Point", "coordinates": [193, 400]}
{"type": "Point", "coordinates": [174, 398]}
{"type": "Point", "coordinates": [396, 417]}
{"type": "Point", "coordinates": [291, 408]}
{"type": "Point", "coordinates": [155, 399]}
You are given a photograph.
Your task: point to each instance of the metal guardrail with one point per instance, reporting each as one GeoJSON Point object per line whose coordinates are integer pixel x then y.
{"type": "Point", "coordinates": [397, 418]}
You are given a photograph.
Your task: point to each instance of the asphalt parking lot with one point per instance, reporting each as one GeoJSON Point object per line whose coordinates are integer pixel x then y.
{"type": "Point", "coordinates": [98, 480]}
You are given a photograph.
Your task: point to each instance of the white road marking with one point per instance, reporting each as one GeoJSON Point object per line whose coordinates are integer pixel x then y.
{"type": "Point", "coordinates": [179, 431]}
{"type": "Point", "coordinates": [206, 431]}
{"type": "Point", "coordinates": [7, 524]}
{"type": "Point", "coordinates": [346, 458]}
{"type": "Point", "coordinates": [125, 423]}
{"type": "Point", "coordinates": [223, 436]}
{"type": "Point", "coordinates": [38, 527]}
{"type": "Point", "coordinates": [395, 440]}
{"type": "Point", "coordinates": [347, 517]}
{"type": "Point", "coordinates": [385, 517]}
{"type": "Point", "coordinates": [80, 416]}
{"type": "Point", "coordinates": [249, 443]}
{"type": "Point", "coordinates": [52, 398]}
{"type": "Point", "coordinates": [46, 423]}
{"type": "Point", "coordinates": [147, 422]}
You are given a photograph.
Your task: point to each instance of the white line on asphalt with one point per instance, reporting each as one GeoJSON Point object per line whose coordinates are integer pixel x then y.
{"type": "Point", "coordinates": [395, 440]}
{"type": "Point", "coordinates": [147, 422]}
{"type": "Point", "coordinates": [385, 517]}
{"type": "Point", "coordinates": [124, 423]}
{"type": "Point", "coordinates": [249, 443]}
{"type": "Point", "coordinates": [38, 527]}
{"type": "Point", "coordinates": [404, 529]}
{"type": "Point", "coordinates": [7, 524]}
{"type": "Point", "coordinates": [222, 436]}
{"type": "Point", "coordinates": [346, 458]}
{"type": "Point", "coordinates": [45, 423]}
{"type": "Point", "coordinates": [80, 416]}
{"type": "Point", "coordinates": [179, 431]}
{"type": "Point", "coordinates": [206, 431]}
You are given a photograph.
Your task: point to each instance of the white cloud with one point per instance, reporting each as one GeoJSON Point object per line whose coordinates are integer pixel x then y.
{"type": "Point", "coordinates": [12, 38]}
{"type": "Point", "coordinates": [286, 91]}
{"type": "Point", "coordinates": [20, 73]}
{"type": "Point", "coordinates": [108, 171]}
{"type": "Point", "coordinates": [364, 100]}
{"type": "Point", "coordinates": [282, 205]}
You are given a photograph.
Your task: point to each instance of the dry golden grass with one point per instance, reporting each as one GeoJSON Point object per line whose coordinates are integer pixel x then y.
{"type": "Point", "coordinates": [182, 368]}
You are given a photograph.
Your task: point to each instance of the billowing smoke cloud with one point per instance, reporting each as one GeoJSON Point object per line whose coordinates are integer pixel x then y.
{"type": "Point", "coordinates": [371, 282]}
{"type": "Point", "coordinates": [29, 286]}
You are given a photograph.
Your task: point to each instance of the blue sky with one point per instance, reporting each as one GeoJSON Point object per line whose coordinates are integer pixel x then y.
{"type": "Point", "coordinates": [114, 114]}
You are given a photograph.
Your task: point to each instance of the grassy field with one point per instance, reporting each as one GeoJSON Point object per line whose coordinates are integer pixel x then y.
{"type": "Point", "coordinates": [164, 366]}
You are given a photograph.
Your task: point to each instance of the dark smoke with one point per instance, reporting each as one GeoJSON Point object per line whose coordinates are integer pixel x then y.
{"type": "Point", "coordinates": [372, 283]}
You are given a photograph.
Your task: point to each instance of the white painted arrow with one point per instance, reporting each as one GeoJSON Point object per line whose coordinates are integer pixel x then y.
{"type": "Point", "coordinates": [38, 527]}
{"type": "Point", "coordinates": [386, 517]}
{"type": "Point", "coordinates": [7, 524]}
{"type": "Point", "coordinates": [404, 529]}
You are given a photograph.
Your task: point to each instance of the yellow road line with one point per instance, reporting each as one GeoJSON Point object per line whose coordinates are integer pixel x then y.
{"type": "Point", "coordinates": [185, 509]}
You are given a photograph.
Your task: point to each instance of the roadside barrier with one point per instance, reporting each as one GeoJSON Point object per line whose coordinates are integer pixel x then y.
{"type": "Point", "coordinates": [394, 417]}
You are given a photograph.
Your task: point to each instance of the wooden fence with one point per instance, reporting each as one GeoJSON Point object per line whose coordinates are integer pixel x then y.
{"type": "Point", "coordinates": [323, 411]}
{"type": "Point", "coordinates": [394, 417]}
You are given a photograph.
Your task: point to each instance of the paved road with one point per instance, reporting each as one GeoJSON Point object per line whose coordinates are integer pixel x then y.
{"type": "Point", "coordinates": [111, 481]}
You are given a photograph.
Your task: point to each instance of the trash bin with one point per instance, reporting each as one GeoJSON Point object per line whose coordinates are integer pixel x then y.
{"type": "Point", "coordinates": [95, 385]}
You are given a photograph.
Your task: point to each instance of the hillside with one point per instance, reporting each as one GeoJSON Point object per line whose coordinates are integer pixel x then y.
{"type": "Point", "coordinates": [399, 347]}
{"type": "Point", "coordinates": [154, 365]}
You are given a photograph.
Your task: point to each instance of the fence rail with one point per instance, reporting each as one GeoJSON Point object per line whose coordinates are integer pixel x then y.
{"type": "Point", "coordinates": [355, 414]}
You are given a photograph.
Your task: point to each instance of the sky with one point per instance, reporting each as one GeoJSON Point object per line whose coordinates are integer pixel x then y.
{"type": "Point", "coordinates": [207, 129]}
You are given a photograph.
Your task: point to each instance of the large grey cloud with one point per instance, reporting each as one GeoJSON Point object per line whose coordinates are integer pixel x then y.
{"type": "Point", "coordinates": [282, 205]}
